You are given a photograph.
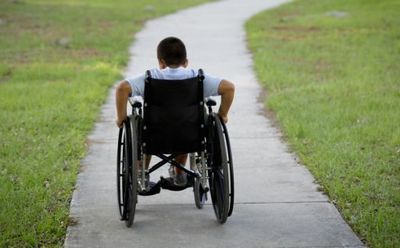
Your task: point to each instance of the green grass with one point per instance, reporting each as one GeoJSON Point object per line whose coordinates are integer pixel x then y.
{"type": "Point", "coordinates": [58, 60]}
{"type": "Point", "coordinates": [333, 83]}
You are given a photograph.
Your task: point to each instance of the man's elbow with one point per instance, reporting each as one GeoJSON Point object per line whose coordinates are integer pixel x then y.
{"type": "Point", "coordinates": [226, 87]}
{"type": "Point", "coordinates": [124, 88]}
{"type": "Point", "coordinates": [231, 87]}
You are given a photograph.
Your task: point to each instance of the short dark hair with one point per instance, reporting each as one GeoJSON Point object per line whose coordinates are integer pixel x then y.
{"type": "Point", "coordinates": [172, 51]}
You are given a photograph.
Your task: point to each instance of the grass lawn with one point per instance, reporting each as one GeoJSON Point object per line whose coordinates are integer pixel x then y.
{"type": "Point", "coordinates": [332, 74]}
{"type": "Point", "coordinates": [58, 60]}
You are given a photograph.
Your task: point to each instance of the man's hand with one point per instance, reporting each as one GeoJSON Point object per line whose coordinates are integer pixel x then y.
{"type": "Point", "coordinates": [224, 118]}
{"type": "Point", "coordinates": [119, 123]}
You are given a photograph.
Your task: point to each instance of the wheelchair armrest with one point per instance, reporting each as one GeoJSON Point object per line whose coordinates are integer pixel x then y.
{"type": "Point", "coordinates": [210, 102]}
{"type": "Point", "coordinates": [135, 103]}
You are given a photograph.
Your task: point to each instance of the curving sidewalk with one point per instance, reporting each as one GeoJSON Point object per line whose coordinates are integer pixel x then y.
{"type": "Point", "coordinates": [277, 203]}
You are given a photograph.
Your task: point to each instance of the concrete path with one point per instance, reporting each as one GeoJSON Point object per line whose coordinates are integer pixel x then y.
{"type": "Point", "coordinates": [277, 203]}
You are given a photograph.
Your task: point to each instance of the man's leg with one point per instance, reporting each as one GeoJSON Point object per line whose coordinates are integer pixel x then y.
{"type": "Point", "coordinates": [147, 159]}
{"type": "Point", "coordinates": [152, 187]}
{"type": "Point", "coordinates": [179, 176]}
{"type": "Point", "coordinates": [182, 160]}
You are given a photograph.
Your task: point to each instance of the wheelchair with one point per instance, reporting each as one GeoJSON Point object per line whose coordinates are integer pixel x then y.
{"type": "Point", "coordinates": [174, 119]}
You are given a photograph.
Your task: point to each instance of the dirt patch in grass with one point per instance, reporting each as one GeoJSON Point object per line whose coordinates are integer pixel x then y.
{"type": "Point", "coordinates": [300, 29]}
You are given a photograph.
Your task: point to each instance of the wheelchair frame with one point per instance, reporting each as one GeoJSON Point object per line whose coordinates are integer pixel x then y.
{"type": "Point", "coordinates": [211, 168]}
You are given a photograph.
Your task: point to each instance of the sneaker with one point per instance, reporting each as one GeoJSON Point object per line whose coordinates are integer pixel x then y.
{"type": "Point", "coordinates": [154, 188]}
{"type": "Point", "coordinates": [171, 171]}
{"type": "Point", "coordinates": [180, 179]}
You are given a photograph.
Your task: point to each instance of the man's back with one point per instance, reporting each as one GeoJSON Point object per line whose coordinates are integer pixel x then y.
{"type": "Point", "coordinates": [211, 83]}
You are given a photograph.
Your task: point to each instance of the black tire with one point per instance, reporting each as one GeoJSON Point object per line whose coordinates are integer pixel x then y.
{"type": "Point", "coordinates": [127, 158]}
{"type": "Point", "coordinates": [200, 194]}
{"type": "Point", "coordinates": [133, 170]}
{"type": "Point", "coordinates": [219, 176]}
{"type": "Point", "coordinates": [231, 174]}
{"type": "Point", "coordinates": [122, 166]}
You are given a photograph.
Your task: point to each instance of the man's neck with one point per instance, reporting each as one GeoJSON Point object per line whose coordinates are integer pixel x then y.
{"type": "Point", "coordinates": [174, 66]}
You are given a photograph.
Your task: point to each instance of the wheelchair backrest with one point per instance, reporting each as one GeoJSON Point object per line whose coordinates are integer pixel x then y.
{"type": "Point", "coordinates": [173, 117]}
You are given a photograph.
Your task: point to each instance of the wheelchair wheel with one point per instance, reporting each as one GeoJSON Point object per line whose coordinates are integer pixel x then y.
{"type": "Point", "coordinates": [127, 159]}
{"type": "Point", "coordinates": [200, 194]}
{"type": "Point", "coordinates": [221, 177]}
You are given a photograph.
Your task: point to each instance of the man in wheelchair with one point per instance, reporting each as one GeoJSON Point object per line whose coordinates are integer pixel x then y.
{"type": "Point", "coordinates": [180, 121]}
{"type": "Point", "coordinates": [171, 54]}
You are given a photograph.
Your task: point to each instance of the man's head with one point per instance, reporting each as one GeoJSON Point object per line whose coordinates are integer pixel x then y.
{"type": "Point", "coordinates": [171, 52]}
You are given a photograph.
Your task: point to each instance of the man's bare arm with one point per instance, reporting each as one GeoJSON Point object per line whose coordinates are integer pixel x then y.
{"type": "Point", "coordinates": [121, 98]}
{"type": "Point", "coordinates": [227, 91]}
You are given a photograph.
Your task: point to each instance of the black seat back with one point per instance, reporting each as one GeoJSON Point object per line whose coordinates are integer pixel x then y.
{"type": "Point", "coordinates": [173, 115]}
